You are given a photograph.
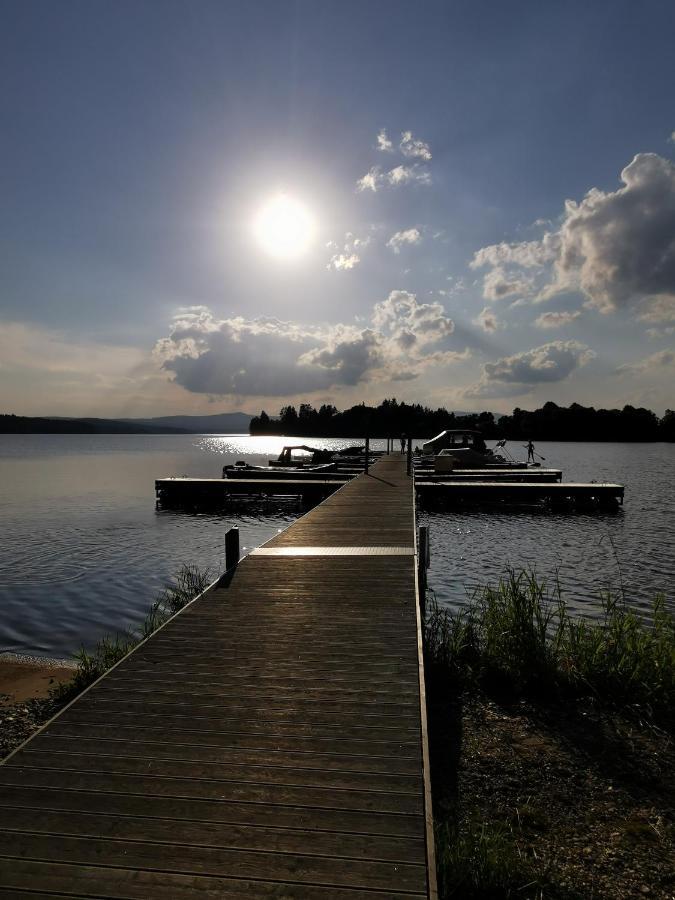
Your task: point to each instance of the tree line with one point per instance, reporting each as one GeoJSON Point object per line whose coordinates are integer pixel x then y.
{"type": "Point", "coordinates": [392, 419]}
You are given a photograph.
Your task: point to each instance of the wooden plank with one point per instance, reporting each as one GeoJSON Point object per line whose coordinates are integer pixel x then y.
{"type": "Point", "coordinates": [59, 879]}
{"type": "Point", "coordinates": [209, 834]}
{"type": "Point", "coordinates": [180, 810]}
{"type": "Point", "coordinates": [178, 858]}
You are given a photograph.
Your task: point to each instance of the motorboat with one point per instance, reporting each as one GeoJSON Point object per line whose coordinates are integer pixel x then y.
{"type": "Point", "coordinates": [466, 449]}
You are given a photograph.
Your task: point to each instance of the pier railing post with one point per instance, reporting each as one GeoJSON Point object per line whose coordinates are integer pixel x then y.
{"type": "Point", "coordinates": [423, 558]}
{"type": "Point", "coordinates": [231, 548]}
{"type": "Point", "coordinates": [365, 468]}
{"type": "Point", "coordinates": [408, 466]}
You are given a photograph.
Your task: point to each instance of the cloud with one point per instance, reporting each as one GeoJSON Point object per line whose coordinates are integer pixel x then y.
{"type": "Point", "coordinates": [499, 284]}
{"type": "Point", "coordinates": [383, 142]}
{"type": "Point", "coordinates": [410, 323]}
{"type": "Point", "coordinates": [350, 255]}
{"type": "Point", "coordinates": [269, 357]}
{"type": "Point", "coordinates": [658, 309]}
{"type": "Point", "coordinates": [615, 247]}
{"type": "Point", "coordinates": [371, 181]}
{"type": "Point", "coordinates": [409, 175]}
{"type": "Point", "coordinates": [487, 320]}
{"type": "Point", "coordinates": [46, 372]}
{"type": "Point", "coordinates": [375, 178]}
{"type": "Point", "coordinates": [409, 236]}
{"type": "Point", "coordinates": [556, 319]}
{"type": "Point", "coordinates": [657, 333]}
{"type": "Point", "coordinates": [413, 147]}
{"type": "Point", "coordinates": [527, 254]}
{"type": "Point", "coordinates": [651, 365]}
{"type": "Point", "coordinates": [671, 139]}
{"type": "Point", "coordinates": [512, 375]}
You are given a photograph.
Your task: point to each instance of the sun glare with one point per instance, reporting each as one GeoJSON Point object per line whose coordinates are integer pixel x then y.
{"type": "Point", "coordinates": [284, 227]}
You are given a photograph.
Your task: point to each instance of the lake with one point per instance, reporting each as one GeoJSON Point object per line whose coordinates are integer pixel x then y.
{"type": "Point", "coordinates": [84, 551]}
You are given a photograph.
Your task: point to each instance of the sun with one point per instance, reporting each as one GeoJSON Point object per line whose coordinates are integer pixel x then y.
{"type": "Point", "coordinates": [284, 227]}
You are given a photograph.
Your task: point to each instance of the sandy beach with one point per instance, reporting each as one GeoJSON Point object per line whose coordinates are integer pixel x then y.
{"type": "Point", "coordinates": [30, 678]}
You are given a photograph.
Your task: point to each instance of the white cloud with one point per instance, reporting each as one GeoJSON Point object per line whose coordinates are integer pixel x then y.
{"type": "Point", "coordinates": [487, 320]}
{"type": "Point", "coordinates": [615, 247]}
{"type": "Point", "coordinates": [671, 139]}
{"type": "Point", "coordinates": [409, 236]}
{"type": "Point", "coordinates": [268, 357]}
{"type": "Point", "coordinates": [376, 178]}
{"type": "Point", "coordinates": [383, 142]}
{"type": "Point", "coordinates": [349, 256]}
{"type": "Point", "coordinates": [527, 254]}
{"type": "Point", "coordinates": [651, 365]}
{"type": "Point", "coordinates": [343, 261]}
{"type": "Point", "coordinates": [414, 174]}
{"type": "Point", "coordinates": [516, 374]}
{"type": "Point", "coordinates": [556, 319]}
{"type": "Point", "coordinates": [371, 181]}
{"type": "Point", "coordinates": [413, 147]}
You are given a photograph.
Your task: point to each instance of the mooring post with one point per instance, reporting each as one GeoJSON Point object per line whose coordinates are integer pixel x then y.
{"type": "Point", "coordinates": [365, 468]}
{"type": "Point", "coordinates": [423, 563]}
{"type": "Point", "coordinates": [231, 548]}
{"type": "Point", "coordinates": [408, 467]}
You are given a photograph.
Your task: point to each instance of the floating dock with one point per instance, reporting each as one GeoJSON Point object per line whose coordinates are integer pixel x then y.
{"type": "Point", "coordinates": [268, 742]}
{"type": "Point", "coordinates": [562, 495]}
{"type": "Point", "coordinates": [463, 486]}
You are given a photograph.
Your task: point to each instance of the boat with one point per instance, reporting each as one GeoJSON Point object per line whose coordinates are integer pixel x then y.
{"type": "Point", "coordinates": [465, 448]}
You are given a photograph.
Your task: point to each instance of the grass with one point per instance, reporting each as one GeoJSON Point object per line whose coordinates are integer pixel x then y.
{"type": "Point", "coordinates": [190, 581]}
{"type": "Point", "coordinates": [480, 860]}
{"type": "Point", "coordinates": [519, 638]}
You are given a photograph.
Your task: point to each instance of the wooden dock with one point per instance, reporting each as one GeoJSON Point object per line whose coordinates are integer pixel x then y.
{"type": "Point", "coordinates": [268, 742]}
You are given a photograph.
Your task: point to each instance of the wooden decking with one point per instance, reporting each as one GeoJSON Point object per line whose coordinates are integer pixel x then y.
{"type": "Point", "coordinates": [268, 742]}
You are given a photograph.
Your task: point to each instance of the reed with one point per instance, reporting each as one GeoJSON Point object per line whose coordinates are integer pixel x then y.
{"type": "Point", "coordinates": [479, 860]}
{"type": "Point", "coordinates": [519, 637]}
{"type": "Point", "coordinates": [91, 664]}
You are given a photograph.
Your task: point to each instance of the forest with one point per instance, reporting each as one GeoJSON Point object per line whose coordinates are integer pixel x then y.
{"type": "Point", "coordinates": [393, 418]}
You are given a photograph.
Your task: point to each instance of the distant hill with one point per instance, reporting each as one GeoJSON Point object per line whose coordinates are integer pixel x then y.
{"type": "Point", "coordinates": [221, 423]}
{"type": "Point", "coordinates": [10, 424]}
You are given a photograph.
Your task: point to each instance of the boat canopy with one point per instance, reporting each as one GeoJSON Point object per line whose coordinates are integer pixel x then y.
{"type": "Point", "coordinates": [461, 437]}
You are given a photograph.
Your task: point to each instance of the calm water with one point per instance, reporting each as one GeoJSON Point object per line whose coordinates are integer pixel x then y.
{"type": "Point", "coordinates": [83, 550]}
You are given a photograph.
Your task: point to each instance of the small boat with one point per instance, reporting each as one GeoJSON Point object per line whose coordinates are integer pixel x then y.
{"type": "Point", "coordinates": [301, 455]}
{"type": "Point", "coordinates": [465, 448]}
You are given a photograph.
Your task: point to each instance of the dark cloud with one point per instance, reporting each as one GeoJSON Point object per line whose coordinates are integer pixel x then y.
{"type": "Point", "coordinates": [516, 374]}
{"type": "Point", "coordinates": [269, 357]}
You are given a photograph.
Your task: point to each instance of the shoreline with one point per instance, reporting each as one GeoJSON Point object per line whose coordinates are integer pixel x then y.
{"type": "Point", "coordinates": [25, 678]}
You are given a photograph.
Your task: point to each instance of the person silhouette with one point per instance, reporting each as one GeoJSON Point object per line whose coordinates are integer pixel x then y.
{"type": "Point", "coordinates": [402, 443]}
{"type": "Point", "coordinates": [530, 451]}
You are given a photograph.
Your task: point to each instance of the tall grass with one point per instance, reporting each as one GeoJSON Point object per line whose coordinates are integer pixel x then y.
{"type": "Point", "coordinates": [482, 861]}
{"type": "Point", "coordinates": [519, 636]}
{"type": "Point", "coordinates": [190, 582]}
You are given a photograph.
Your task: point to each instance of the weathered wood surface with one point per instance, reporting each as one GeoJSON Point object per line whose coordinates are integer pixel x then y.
{"type": "Point", "coordinates": [268, 742]}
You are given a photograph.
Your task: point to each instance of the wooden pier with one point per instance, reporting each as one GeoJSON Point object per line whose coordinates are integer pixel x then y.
{"type": "Point", "coordinates": [268, 742]}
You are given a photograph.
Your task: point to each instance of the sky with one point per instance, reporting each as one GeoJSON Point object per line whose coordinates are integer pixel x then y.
{"type": "Point", "coordinates": [218, 206]}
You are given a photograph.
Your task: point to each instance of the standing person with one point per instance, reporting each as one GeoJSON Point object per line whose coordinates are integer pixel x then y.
{"type": "Point", "coordinates": [402, 443]}
{"type": "Point", "coordinates": [530, 451]}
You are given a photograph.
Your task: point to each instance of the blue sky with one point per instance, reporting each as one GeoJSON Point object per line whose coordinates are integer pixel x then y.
{"type": "Point", "coordinates": [432, 145]}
